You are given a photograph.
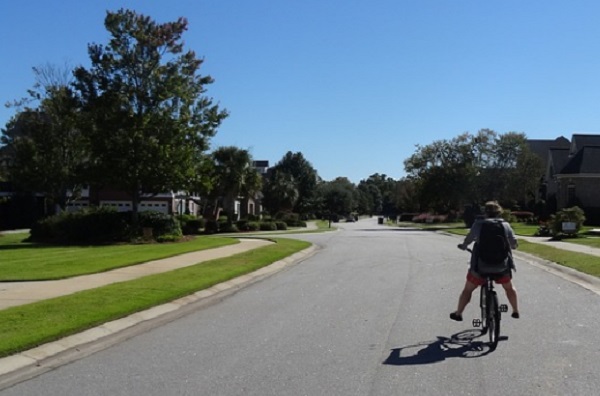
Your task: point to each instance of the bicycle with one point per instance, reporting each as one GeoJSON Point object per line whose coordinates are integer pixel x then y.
{"type": "Point", "coordinates": [491, 311]}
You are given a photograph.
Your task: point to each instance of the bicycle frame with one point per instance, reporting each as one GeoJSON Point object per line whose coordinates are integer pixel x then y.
{"type": "Point", "coordinates": [491, 311]}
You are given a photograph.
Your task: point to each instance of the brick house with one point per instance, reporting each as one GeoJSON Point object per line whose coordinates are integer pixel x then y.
{"type": "Point", "coordinates": [579, 180]}
{"type": "Point", "coordinates": [573, 175]}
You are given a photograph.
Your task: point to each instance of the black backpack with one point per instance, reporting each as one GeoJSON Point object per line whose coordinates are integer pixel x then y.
{"type": "Point", "coordinates": [493, 248]}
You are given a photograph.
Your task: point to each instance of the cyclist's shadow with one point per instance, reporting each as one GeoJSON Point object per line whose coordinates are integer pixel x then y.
{"type": "Point", "coordinates": [459, 345]}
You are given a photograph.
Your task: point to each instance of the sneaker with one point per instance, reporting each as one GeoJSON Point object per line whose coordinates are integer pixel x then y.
{"type": "Point", "coordinates": [456, 316]}
{"type": "Point", "coordinates": [515, 315]}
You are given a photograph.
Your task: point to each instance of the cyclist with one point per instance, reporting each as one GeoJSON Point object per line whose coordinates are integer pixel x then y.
{"type": "Point", "coordinates": [492, 211]}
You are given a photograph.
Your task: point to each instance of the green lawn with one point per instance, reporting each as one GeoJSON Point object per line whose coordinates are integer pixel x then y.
{"type": "Point", "coordinates": [23, 261]}
{"type": "Point", "coordinates": [579, 261]}
{"type": "Point", "coordinates": [27, 326]}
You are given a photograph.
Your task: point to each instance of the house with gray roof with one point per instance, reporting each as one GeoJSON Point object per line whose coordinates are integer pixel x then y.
{"type": "Point", "coordinates": [572, 174]}
{"type": "Point", "coordinates": [579, 182]}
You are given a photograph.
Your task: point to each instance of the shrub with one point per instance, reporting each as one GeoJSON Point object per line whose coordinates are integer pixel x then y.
{"type": "Point", "coordinates": [211, 227]}
{"type": "Point", "coordinates": [281, 225]}
{"type": "Point", "coordinates": [571, 215]}
{"type": "Point", "coordinates": [543, 230]}
{"type": "Point", "coordinates": [94, 225]}
{"type": "Point", "coordinates": [161, 223]}
{"type": "Point", "coordinates": [191, 225]}
{"type": "Point", "coordinates": [420, 218]}
{"type": "Point", "coordinates": [290, 219]}
{"type": "Point", "coordinates": [229, 228]}
{"type": "Point", "coordinates": [523, 216]}
{"type": "Point", "coordinates": [267, 226]}
{"type": "Point", "coordinates": [253, 226]}
{"type": "Point", "coordinates": [242, 225]}
{"type": "Point", "coordinates": [429, 218]}
{"type": "Point", "coordinates": [168, 238]}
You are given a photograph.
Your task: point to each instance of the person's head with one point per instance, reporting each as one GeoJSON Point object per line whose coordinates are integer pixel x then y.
{"type": "Point", "coordinates": [492, 209]}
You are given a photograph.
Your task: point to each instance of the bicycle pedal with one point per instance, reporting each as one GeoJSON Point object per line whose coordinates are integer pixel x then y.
{"type": "Point", "coordinates": [503, 308]}
{"type": "Point", "coordinates": [476, 322]}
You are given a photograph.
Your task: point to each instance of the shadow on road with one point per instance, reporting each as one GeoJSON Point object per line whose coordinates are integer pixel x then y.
{"type": "Point", "coordinates": [460, 345]}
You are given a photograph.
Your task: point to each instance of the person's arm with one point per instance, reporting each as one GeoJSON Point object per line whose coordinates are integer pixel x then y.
{"type": "Point", "coordinates": [510, 234]}
{"type": "Point", "coordinates": [471, 236]}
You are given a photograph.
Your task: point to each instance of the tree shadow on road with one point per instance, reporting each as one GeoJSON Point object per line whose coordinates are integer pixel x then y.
{"type": "Point", "coordinates": [460, 345]}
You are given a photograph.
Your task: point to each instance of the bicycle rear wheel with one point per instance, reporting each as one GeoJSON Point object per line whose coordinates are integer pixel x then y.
{"type": "Point", "coordinates": [493, 321]}
{"type": "Point", "coordinates": [483, 307]}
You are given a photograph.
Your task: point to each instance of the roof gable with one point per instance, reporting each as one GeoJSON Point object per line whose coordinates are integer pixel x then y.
{"type": "Point", "coordinates": [557, 159]}
{"type": "Point", "coordinates": [587, 160]}
{"type": "Point", "coordinates": [579, 141]}
{"type": "Point", "coordinates": [541, 146]}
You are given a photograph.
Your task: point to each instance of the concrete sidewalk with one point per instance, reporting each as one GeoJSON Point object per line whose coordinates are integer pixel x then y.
{"type": "Point", "coordinates": [573, 247]}
{"type": "Point", "coordinates": [20, 293]}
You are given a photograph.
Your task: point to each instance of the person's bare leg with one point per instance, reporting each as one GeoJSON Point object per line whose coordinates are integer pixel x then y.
{"type": "Point", "coordinates": [465, 297]}
{"type": "Point", "coordinates": [511, 295]}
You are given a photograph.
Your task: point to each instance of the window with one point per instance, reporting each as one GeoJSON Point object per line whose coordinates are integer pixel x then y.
{"type": "Point", "coordinates": [571, 195]}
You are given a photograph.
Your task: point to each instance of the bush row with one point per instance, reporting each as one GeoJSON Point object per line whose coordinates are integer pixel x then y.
{"type": "Point", "coordinates": [104, 225]}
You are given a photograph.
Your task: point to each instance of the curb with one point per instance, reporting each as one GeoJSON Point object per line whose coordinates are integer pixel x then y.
{"type": "Point", "coordinates": [586, 281]}
{"type": "Point", "coordinates": [46, 357]}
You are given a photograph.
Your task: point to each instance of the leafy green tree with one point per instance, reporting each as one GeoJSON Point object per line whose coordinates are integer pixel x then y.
{"type": "Point", "coordinates": [148, 120]}
{"type": "Point", "coordinates": [407, 196]}
{"type": "Point", "coordinates": [474, 168]}
{"type": "Point", "coordinates": [370, 201]}
{"type": "Point", "coordinates": [339, 196]}
{"type": "Point", "coordinates": [444, 173]}
{"type": "Point", "coordinates": [303, 175]}
{"type": "Point", "coordinates": [234, 177]}
{"type": "Point", "coordinates": [46, 147]}
{"type": "Point", "coordinates": [387, 202]}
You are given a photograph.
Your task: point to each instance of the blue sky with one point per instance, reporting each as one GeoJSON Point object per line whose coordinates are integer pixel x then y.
{"type": "Point", "coordinates": [353, 85]}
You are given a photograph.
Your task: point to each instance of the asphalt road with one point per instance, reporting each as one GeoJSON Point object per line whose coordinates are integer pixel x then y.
{"type": "Point", "coordinates": [366, 315]}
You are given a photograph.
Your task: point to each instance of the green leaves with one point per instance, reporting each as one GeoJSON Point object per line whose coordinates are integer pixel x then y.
{"type": "Point", "coordinates": [144, 95]}
{"type": "Point", "coordinates": [474, 168]}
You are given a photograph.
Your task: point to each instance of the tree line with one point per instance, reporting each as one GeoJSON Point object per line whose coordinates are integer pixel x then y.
{"type": "Point", "coordinates": [139, 120]}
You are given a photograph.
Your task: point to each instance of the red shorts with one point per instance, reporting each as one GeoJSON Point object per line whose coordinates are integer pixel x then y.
{"type": "Point", "coordinates": [478, 280]}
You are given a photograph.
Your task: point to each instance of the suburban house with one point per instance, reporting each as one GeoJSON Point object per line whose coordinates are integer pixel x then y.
{"type": "Point", "coordinates": [168, 203]}
{"type": "Point", "coordinates": [572, 173]}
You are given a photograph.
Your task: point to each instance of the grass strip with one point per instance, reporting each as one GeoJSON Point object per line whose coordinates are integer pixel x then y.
{"type": "Point", "coordinates": [28, 326]}
{"type": "Point", "coordinates": [23, 261]}
{"type": "Point", "coordinates": [591, 241]}
{"type": "Point", "coordinates": [579, 261]}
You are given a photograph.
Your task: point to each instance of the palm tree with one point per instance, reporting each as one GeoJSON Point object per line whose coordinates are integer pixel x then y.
{"type": "Point", "coordinates": [281, 193]}
{"type": "Point", "coordinates": [235, 177]}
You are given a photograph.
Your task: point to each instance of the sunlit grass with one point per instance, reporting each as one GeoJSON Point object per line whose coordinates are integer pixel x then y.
{"type": "Point", "coordinates": [581, 262]}
{"type": "Point", "coordinates": [23, 261]}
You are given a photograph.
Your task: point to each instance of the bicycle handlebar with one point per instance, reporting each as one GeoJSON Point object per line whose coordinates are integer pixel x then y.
{"type": "Point", "coordinates": [467, 249]}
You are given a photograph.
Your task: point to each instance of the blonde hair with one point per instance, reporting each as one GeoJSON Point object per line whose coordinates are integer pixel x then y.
{"type": "Point", "coordinates": [493, 209]}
